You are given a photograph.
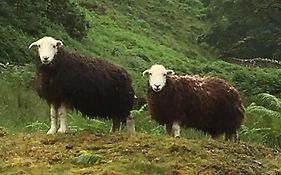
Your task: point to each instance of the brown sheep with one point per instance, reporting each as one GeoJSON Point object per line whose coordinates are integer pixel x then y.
{"type": "Point", "coordinates": [208, 104]}
{"type": "Point", "coordinates": [94, 86]}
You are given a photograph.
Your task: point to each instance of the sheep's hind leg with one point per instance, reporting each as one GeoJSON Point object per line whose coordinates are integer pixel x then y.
{"type": "Point", "coordinates": [215, 136]}
{"type": "Point", "coordinates": [53, 128]}
{"type": "Point", "coordinates": [168, 129]}
{"type": "Point", "coordinates": [176, 129]}
{"type": "Point", "coordinates": [232, 136]}
{"type": "Point", "coordinates": [130, 125]}
{"type": "Point", "coordinates": [116, 124]}
{"type": "Point", "coordinates": [62, 111]}
{"type": "Point", "coordinates": [236, 137]}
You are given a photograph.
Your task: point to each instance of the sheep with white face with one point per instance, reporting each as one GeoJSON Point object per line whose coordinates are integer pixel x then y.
{"type": "Point", "coordinates": [93, 95]}
{"type": "Point", "coordinates": [209, 104]}
{"type": "Point", "coordinates": [47, 48]}
{"type": "Point", "coordinates": [157, 76]}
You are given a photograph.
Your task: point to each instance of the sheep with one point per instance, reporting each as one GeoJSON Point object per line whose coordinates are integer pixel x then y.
{"type": "Point", "coordinates": [69, 80]}
{"type": "Point", "coordinates": [208, 104]}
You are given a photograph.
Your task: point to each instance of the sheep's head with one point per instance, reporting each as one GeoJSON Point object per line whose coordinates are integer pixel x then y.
{"type": "Point", "coordinates": [47, 48]}
{"type": "Point", "coordinates": [157, 76]}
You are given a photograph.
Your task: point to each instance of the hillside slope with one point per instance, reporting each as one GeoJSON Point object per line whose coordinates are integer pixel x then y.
{"type": "Point", "coordinates": [86, 152]}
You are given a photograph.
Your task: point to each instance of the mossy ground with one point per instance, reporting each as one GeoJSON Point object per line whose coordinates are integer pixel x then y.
{"type": "Point", "coordinates": [88, 152]}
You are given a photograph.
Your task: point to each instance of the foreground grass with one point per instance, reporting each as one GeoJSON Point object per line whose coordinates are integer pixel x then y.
{"type": "Point", "coordinates": [88, 152]}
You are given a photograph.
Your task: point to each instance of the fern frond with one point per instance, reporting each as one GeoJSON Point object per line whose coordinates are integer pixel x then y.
{"type": "Point", "coordinates": [245, 130]}
{"type": "Point", "coordinates": [269, 101]}
{"type": "Point", "coordinates": [256, 110]}
{"type": "Point", "coordinates": [37, 126]}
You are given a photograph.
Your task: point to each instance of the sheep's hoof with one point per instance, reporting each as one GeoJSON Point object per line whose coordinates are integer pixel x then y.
{"type": "Point", "coordinates": [62, 130]}
{"type": "Point", "coordinates": [51, 131]}
{"type": "Point", "coordinates": [131, 131]}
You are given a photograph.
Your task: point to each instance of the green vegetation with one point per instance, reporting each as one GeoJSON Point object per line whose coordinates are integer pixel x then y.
{"type": "Point", "coordinates": [246, 29]}
{"type": "Point", "coordinates": [263, 120]}
{"type": "Point", "coordinates": [22, 20]}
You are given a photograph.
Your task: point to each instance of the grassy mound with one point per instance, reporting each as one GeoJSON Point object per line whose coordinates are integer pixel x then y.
{"type": "Point", "coordinates": [86, 152]}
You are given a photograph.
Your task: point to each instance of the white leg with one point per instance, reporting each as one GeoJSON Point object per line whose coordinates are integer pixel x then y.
{"type": "Point", "coordinates": [130, 125]}
{"type": "Point", "coordinates": [62, 114]}
{"type": "Point", "coordinates": [176, 129]}
{"type": "Point", "coordinates": [53, 128]}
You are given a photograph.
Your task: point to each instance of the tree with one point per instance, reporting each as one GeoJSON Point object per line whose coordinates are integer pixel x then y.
{"type": "Point", "coordinates": [245, 28]}
{"type": "Point", "coordinates": [20, 20]}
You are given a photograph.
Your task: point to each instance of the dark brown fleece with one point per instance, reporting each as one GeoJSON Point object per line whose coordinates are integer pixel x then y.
{"type": "Point", "coordinates": [94, 86]}
{"type": "Point", "coordinates": [209, 104]}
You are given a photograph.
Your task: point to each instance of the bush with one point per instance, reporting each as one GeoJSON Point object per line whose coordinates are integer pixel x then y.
{"type": "Point", "coordinates": [263, 120]}
{"type": "Point", "coordinates": [240, 28]}
{"type": "Point", "coordinates": [21, 19]}
{"type": "Point", "coordinates": [67, 14]}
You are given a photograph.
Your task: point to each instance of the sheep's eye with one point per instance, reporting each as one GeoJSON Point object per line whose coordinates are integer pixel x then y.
{"type": "Point", "coordinates": [54, 46]}
{"type": "Point", "coordinates": [165, 74]}
{"type": "Point", "coordinates": [150, 73]}
{"type": "Point", "coordinates": [38, 46]}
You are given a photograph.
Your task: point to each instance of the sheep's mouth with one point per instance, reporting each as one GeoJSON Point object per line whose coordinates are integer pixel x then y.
{"type": "Point", "coordinates": [45, 62]}
{"type": "Point", "coordinates": [156, 89]}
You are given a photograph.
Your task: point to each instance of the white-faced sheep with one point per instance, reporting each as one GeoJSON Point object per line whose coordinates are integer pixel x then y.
{"type": "Point", "coordinates": [208, 104]}
{"type": "Point", "coordinates": [93, 86]}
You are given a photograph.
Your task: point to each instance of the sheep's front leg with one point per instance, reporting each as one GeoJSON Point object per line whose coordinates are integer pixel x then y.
{"type": "Point", "coordinates": [62, 111]}
{"type": "Point", "coordinates": [176, 129]}
{"type": "Point", "coordinates": [53, 128]}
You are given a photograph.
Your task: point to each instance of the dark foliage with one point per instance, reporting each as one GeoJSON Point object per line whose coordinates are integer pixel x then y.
{"type": "Point", "coordinates": [67, 14]}
{"type": "Point", "coordinates": [33, 17]}
{"type": "Point", "coordinates": [245, 29]}
{"type": "Point", "coordinates": [20, 19]}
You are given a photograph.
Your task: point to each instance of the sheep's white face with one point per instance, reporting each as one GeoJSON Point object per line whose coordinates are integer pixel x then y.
{"type": "Point", "coordinates": [157, 76]}
{"type": "Point", "coordinates": [47, 48]}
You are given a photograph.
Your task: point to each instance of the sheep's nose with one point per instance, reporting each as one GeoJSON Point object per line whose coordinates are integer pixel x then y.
{"type": "Point", "coordinates": [45, 58]}
{"type": "Point", "coordinates": [157, 86]}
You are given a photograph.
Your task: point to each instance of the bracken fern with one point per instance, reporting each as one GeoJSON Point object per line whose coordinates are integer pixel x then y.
{"type": "Point", "coordinates": [263, 120]}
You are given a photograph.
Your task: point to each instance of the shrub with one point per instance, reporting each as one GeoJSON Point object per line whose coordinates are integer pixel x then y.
{"type": "Point", "coordinates": [263, 120]}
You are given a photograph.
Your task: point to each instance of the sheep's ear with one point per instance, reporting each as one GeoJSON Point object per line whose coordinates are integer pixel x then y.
{"type": "Point", "coordinates": [170, 72]}
{"type": "Point", "coordinates": [33, 44]}
{"type": "Point", "coordinates": [146, 72]}
{"type": "Point", "coordinates": [59, 43]}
